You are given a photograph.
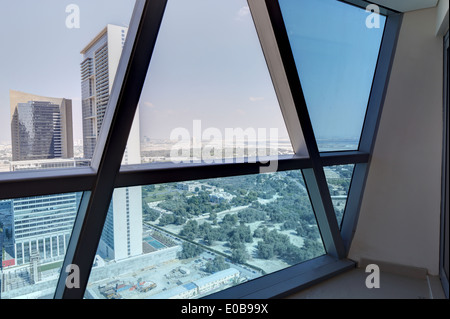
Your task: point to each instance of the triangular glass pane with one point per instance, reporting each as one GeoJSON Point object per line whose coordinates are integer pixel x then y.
{"type": "Point", "coordinates": [335, 46]}
{"type": "Point", "coordinates": [208, 92]}
{"type": "Point", "coordinates": [339, 178]}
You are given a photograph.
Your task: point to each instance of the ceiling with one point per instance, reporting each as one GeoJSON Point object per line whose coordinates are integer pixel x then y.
{"type": "Point", "coordinates": [406, 5]}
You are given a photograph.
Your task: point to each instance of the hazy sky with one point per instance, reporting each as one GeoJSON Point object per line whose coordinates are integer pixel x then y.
{"type": "Point", "coordinates": [40, 55]}
{"type": "Point", "coordinates": [207, 65]}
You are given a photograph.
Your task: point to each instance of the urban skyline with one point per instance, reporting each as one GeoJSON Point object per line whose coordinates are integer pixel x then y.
{"type": "Point", "coordinates": [246, 99]}
{"type": "Point", "coordinates": [44, 58]}
{"type": "Point", "coordinates": [42, 131]}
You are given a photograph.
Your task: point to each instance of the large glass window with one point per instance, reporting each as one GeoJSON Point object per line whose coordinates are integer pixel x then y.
{"type": "Point", "coordinates": [336, 53]}
{"type": "Point", "coordinates": [52, 97]}
{"type": "Point", "coordinates": [208, 94]}
{"type": "Point", "coordinates": [34, 234]}
{"type": "Point", "coordinates": [190, 239]}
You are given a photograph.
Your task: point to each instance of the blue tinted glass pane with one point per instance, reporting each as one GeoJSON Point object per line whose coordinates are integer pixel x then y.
{"type": "Point", "coordinates": [339, 178]}
{"type": "Point", "coordinates": [336, 54]}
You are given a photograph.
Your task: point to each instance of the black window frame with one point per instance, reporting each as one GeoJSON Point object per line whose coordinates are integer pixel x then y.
{"type": "Point", "coordinates": [444, 236]}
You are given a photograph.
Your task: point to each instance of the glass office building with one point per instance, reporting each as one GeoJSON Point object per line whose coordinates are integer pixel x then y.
{"type": "Point", "coordinates": [42, 226]}
{"type": "Point", "coordinates": [41, 127]}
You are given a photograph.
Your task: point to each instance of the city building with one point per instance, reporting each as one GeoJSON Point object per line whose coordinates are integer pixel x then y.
{"type": "Point", "coordinates": [200, 286]}
{"type": "Point", "coordinates": [42, 138]}
{"type": "Point", "coordinates": [48, 164]}
{"type": "Point", "coordinates": [41, 127]}
{"type": "Point", "coordinates": [42, 226]}
{"type": "Point", "coordinates": [98, 69]}
{"type": "Point", "coordinates": [122, 233]}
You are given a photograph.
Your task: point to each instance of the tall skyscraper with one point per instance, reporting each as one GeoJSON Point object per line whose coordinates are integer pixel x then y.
{"type": "Point", "coordinates": [122, 233]}
{"type": "Point", "coordinates": [41, 127]}
{"type": "Point", "coordinates": [41, 131]}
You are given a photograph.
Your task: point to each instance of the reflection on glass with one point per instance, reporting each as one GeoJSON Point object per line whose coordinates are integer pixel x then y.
{"type": "Point", "coordinates": [196, 238]}
{"type": "Point", "coordinates": [336, 54]}
{"type": "Point", "coordinates": [339, 178]}
{"type": "Point", "coordinates": [50, 95]}
{"type": "Point", "coordinates": [34, 234]}
{"type": "Point", "coordinates": [208, 93]}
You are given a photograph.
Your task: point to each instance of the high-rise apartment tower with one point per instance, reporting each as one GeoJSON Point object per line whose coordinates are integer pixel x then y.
{"type": "Point", "coordinates": [122, 234]}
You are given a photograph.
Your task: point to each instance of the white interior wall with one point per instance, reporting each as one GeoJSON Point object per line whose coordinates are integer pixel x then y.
{"type": "Point", "coordinates": [400, 211]}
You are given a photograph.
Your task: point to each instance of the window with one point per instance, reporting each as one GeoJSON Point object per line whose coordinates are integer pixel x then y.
{"type": "Point", "coordinates": [45, 123]}
{"type": "Point", "coordinates": [188, 235]}
{"type": "Point", "coordinates": [336, 55]}
{"type": "Point", "coordinates": [208, 95]}
{"type": "Point", "coordinates": [174, 208]}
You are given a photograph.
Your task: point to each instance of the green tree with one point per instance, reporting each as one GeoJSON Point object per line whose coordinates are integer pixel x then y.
{"type": "Point", "coordinates": [216, 265]}
{"type": "Point", "coordinates": [190, 250]}
{"type": "Point", "coordinates": [239, 235]}
{"type": "Point", "coordinates": [230, 219]}
{"type": "Point", "coordinates": [265, 251]}
{"type": "Point", "coordinates": [190, 230]}
{"type": "Point", "coordinates": [213, 216]}
{"type": "Point", "coordinates": [250, 215]}
{"type": "Point", "coordinates": [239, 255]}
{"type": "Point", "coordinates": [210, 237]}
{"type": "Point", "coordinates": [166, 220]}
{"type": "Point", "coordinates": [260, 232]}
{"type": "Point", "coordinates": [151, 214]}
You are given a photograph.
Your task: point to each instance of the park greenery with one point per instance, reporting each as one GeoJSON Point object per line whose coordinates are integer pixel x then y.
{"type": "Point", "coordinates": [276, 204]}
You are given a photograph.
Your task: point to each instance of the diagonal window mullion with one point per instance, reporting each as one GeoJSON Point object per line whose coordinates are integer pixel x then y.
{"type": "Point", "coordinates": [124, 99]}
{"type": "Point", "coordinates": [277, 72]}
